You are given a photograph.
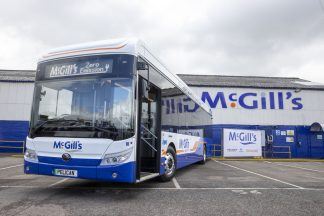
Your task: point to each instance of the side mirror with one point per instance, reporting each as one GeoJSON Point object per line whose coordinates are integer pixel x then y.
{"type": "Point", "coordinates": [145, 90]}
{"type": "Point", "coordinates": [43, 93]}
{"type": "Point", "coordinates": [142, 66]}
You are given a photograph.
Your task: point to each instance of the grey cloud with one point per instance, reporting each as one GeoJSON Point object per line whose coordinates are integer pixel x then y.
{"type": "Point", "coordinates": [252, 37]}
{"type": "Point", "coordinates": [258, 37]}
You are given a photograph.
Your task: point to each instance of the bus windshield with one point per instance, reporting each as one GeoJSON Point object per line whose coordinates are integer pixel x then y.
{"type": "Point", "coordinates": [87, 108]}
{"type": "Point", "coordinates": [86, 97]}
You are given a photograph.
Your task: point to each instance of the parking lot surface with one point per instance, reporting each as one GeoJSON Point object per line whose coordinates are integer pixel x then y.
{"type": "Point", "coordinates": [216, 188]}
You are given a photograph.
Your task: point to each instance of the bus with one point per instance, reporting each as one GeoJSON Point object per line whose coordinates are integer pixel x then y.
{"type": "Point", "coordinates": [111, 111]}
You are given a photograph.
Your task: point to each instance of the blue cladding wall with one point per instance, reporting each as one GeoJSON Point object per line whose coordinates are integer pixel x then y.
{"type": "Point", "coordinates": [12, 131]}
{"type": "Point", "coordinates": [303, 144]}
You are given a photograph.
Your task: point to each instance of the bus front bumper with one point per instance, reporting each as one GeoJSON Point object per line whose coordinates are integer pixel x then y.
{"type": "Point", "coordinates": [112, 173]}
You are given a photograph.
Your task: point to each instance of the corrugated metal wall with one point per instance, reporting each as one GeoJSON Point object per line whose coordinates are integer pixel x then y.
{"type": "Point", "coordinates": [15, 101]}
{"type": "Point", "coordinates": [15, 105]}
{"type": "Point", "coordinates": [279, 111]}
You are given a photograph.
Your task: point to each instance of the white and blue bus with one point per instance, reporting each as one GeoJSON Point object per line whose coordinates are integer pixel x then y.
{"type": "Point", "coordinates": [111, 111]}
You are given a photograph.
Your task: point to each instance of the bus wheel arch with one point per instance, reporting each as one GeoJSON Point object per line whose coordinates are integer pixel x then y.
{"type": "Point", "coordinates": [204, 160]}
{"type": "Point", "coordinates": [170, 163]}
{"type": "Point", "coordinates": [171, 144]}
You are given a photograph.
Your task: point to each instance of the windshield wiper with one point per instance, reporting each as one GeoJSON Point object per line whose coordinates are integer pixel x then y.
{"type": "Point", "coordinates": [105, 130]}
{"type": "Point", "coordinates": [111, 131]}
{"type": "Point", "coordinates": [58, 120]}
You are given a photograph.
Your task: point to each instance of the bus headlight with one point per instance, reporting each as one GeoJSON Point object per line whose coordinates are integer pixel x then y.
{"type": "Point", "coordinates": [117, 158]}
{"type": "Point", "coordinates": [30, 155]}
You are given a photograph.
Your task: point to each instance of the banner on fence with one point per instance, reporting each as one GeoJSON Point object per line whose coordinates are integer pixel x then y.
{"type": "Point", "coordinates": [242, 143]}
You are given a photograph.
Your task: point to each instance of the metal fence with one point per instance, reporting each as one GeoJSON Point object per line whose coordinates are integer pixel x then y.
{"type": "Point", "coordinates": [5, 145]}
{"type": "Point", "coordinates": [215, 150]}
{"type": "Point", "coordinates": [275, 151]}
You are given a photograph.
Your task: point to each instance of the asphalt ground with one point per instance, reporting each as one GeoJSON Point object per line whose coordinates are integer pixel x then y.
{"type": "Point", "coordinates": [216, 188]}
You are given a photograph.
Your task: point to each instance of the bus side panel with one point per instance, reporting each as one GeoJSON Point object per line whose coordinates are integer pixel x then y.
{"type": "Point", "coordinates": [189, 149]}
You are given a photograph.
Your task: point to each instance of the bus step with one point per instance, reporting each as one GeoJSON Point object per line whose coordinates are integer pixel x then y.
{"type": "Point", "coordinates": [146, 176]}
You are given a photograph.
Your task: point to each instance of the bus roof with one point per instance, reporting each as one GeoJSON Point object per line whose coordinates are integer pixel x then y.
{"type": "Point", "coordinates": [131, 46]}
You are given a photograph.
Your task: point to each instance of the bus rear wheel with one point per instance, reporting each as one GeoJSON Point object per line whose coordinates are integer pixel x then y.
{"type": "Point", "coordinates": [203, 161]}
{"type": "Point", "coordinates": [169, 165]}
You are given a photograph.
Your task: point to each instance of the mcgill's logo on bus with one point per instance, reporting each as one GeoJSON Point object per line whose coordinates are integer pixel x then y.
{"type": "Point", "coordinates": [67, 145]}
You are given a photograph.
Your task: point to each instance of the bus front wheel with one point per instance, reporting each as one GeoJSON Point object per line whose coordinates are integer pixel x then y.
{"type": "Point", "coordinates": [169, 165]}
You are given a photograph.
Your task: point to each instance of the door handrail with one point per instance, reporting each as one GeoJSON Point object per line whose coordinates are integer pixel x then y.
{"type": "Point", "coordinates": [149, 131]}
{"type": "Point", "coordinates": [149, 144]}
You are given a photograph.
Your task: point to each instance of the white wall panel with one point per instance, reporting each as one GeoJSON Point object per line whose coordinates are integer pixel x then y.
{"type": "Point", "coordinates": [297, 108]}
{"type": "Point", "coordinates": [15, 101]}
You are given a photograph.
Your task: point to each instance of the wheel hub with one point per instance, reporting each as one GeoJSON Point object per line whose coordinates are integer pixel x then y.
{"type": "Point", "coordinates": [169, 164]}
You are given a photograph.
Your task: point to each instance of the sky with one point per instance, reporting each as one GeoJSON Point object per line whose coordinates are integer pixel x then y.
{"type": "Point", "coordinates": [224, 37]}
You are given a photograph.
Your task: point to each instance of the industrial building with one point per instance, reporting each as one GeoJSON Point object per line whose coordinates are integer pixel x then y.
{"type": "Point", "coordinates": [16, 92]}
{"type": "Point", "coordinates": [290, 111]}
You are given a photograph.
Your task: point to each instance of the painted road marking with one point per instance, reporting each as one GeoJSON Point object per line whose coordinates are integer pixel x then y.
{"type": "Point", "coordinates": [242, 192]}
{"type": "Point", "coordinates": [149, 188]}
{"type": "Point", "coordinates": [58, 182]}
{"type": "Point", "coordinates": [315, 177]}
{"type": "Point", "coordinates": [255, 192]}
{"type": "Point", "coordinates": [258, 174]}
{"type": "Point", "coordinates": [4, 168]}
{"type": "Point", "coordinates": [175, 182]}
{"type": "Point", "coordinates": [298, 167]}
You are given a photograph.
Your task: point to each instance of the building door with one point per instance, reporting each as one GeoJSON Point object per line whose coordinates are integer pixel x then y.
{"type": "Point", "coordinates": [302, 145]}
{"type": "Point", "coordinates": [316, 145]}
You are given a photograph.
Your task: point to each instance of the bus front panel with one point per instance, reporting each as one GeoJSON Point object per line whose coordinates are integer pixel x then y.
{"type": "Point", "coordinates": [82, 122]}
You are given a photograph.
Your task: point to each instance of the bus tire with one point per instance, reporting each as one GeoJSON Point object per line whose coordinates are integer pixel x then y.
{"type": "Point", "coordinates": [203, 161]}
{"type": "Point", "coordinates": [170, 165]}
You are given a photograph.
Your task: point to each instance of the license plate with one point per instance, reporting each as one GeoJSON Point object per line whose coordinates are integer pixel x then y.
{"type": "Point", "coordinates": [65, 172]}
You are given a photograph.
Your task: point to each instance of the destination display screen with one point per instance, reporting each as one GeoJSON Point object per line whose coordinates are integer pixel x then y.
{"type": "Point", "coordinates": [94, 66]}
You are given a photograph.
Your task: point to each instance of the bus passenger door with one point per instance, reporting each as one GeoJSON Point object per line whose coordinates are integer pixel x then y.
{"type": "Point", "coordinates": [149, 130]}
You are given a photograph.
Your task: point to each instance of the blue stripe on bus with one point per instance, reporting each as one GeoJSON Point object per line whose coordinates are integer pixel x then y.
{"type": "Point", "coordinates": [125, 172]}
{"type": "Point", "coordinates": [71, 162]}
{"type": "Point", "coordinates": [187, 159]}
